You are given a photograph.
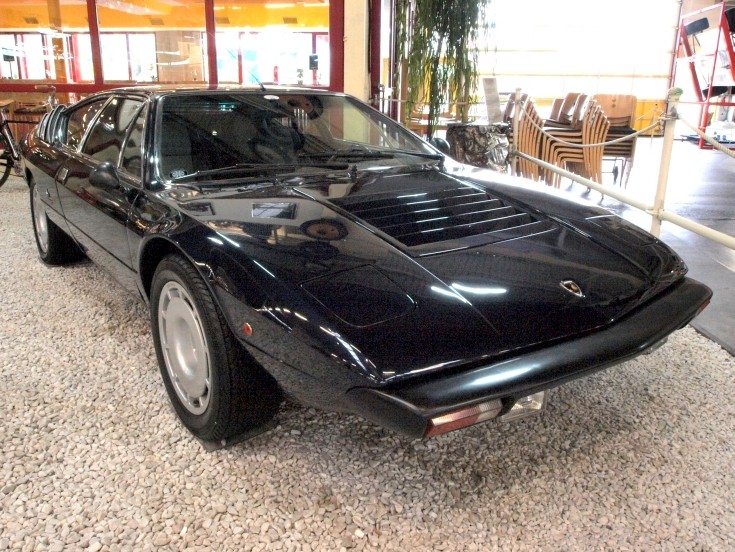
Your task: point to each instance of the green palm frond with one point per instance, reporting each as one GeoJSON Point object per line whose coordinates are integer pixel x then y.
{"type": "Point", "coordinates": [438, 44]}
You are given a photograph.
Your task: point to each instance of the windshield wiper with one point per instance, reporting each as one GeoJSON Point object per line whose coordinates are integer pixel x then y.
{"type": "Point", "coordinates": [373, 154]}
{"type": "Point", "coordinates": [425, 155]}
{"type": "Point", "coordinates": [351, 154]}
{"type": "Point", "coordinates": [255, 168]}
{"type": "Point", "coordinates": [240, 168]}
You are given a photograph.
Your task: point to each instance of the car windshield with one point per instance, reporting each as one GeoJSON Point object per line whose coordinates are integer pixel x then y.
{"type": "Point", "coordinates": [210, 131]}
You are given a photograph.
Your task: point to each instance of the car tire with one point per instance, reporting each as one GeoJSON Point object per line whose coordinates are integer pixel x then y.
{"type": "Point", "coordinates": [54, 246]}
{"type": "Point", "coordinates": [216, 388]}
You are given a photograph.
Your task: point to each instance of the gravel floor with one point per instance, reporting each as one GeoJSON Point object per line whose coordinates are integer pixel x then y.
{"type": "Point", "coordinates": [640, 457]}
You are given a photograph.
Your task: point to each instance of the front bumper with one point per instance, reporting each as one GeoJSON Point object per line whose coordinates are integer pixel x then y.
{"type": "Point", "coordinates": [409, 407]}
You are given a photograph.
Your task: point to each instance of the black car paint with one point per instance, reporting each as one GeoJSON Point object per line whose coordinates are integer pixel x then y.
{"type": "Point", "coordinates": [478, 327]}
{"type": "Point", "coordinates": [433, 330]}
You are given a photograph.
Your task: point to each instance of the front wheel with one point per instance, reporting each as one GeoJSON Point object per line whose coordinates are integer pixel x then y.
{"type": "Point", "coordinates": [6, 163]}
{"type": "Point", "coordinates": [54, 246]}
{"type": "Point", "coordinates": [217, 390]}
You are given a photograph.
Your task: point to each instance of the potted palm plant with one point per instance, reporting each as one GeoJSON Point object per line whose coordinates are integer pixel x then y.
{"type": "Point", "coordinates": [436, 44]}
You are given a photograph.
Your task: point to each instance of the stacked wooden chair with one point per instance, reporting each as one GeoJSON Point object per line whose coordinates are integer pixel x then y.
{"type": "Point", "coordinates": [560, 145]}
{"type": "Point", "coordinates": [529, 139]}
{"type": "Point", "coordinates": [620, 112]}
{"type": "Point", "coordinates": [566, 111]}
{"type": "Point", "coordinates": [511, 106]}
{"type": "Point", "coordinates": [577, 149]}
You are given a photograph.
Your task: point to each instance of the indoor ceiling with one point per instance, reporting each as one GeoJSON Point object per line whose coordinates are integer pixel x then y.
{"type": "Point", "coordinates": [71, 15]}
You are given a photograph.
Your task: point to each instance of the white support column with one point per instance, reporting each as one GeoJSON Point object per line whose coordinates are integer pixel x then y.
{"type": "Point", "coordinates": [357, 78]}
{"type": "Point", "coordinates": [663, 172]}
{"type": "Point", "coordinates": [516, 119]}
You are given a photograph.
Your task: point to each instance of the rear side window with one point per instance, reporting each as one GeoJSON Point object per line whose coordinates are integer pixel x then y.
{"type": "Point", "coordinates": [133, 150]}
{"type": "Point", "coordinates": [79, 121]}
{"type": "Point", "coordinates": [48, 130]}
{"type": "Point", "coordinates": [106, 138]}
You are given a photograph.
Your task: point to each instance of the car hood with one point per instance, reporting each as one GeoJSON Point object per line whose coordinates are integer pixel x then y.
{"type": "Point", "coordinates": [416, 260]}
{"type": "Point", "coordinates": [530, 264]}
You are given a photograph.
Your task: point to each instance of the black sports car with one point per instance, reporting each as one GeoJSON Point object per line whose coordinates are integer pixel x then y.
{"type": "Point", "coordinates": [298, 241]}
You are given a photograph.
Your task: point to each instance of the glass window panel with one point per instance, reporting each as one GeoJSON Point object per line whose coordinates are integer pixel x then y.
{"type": "Point", "coordinates": [180, 56]}
{"type": "Point", "coordinates": [323, 61]}
{"type": "Point", "coordinates": [106, 137]}
{"type": "Point", "coordinates": [42, 41]}
{"type": "Point", "coordinates": [142, 48]}
{"type": "Point", "coordinates": [115, 55]}
{"type": "Point", "coordinates": [130, 56]}
{"type": "Point", "coordinates": [9, 60]}
{"type": "Point", "coordinates": [26, 56]}
{"type": "Point", "coordinates": [133, 150]}
{"type": "Point", "coordinates": [273, 42]}
{"type": "Point", "coordinates": [80, 48]}
{"type": "Point", "coordinates": [228, 56]}
{"type": "Point", "coordinates": [164, 40]}
{"type": "Point", "coordinates": [35, 57]}
{"type": "Point", "coordinates": [78, 122]}
{"type": "Point", "coordinates": [557, 47]}
{"type": "Point", "coordinates": [280, 56]}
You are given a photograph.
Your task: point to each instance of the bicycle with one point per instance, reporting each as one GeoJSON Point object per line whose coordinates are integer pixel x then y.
{"type": "Point", "coordinates": [9, 149]}
{"type": "Point", "coordinates": [51, 101]}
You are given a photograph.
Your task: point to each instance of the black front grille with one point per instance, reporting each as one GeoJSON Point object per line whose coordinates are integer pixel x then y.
{"type": "Point", "coordinates": [417, 218]}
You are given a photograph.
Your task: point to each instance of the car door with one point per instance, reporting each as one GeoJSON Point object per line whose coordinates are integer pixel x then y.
{"type": "Point", "coordinates": [100, 181]}
{"type": "Point", "coordinates": [48, 158]}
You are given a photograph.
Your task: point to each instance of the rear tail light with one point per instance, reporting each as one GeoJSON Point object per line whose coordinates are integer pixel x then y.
{"type": "Point", "coordinates": [471, 415]}
{"type": "Point", "coordinates": [526, 406]}
{"type": "Point", "coordinates": [463, 418]}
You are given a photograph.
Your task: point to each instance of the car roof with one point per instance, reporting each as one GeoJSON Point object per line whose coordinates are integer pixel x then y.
{"type": "Point", "coordinates": [169, 89]}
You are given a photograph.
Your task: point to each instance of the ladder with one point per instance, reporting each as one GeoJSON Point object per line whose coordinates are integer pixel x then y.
{"type": "Point", "coordinates": [705, 45]}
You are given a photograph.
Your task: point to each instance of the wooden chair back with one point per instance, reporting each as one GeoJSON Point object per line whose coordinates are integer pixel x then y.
{"type": "Point", "coordinates": [570, 112]}
{"type": "Point", "coordinates": [529, 139]}
{"type": "Point", "coordinates": [620, 110]}
{"type": "Point", "coordinates": [510, 106]}
{"type": "Point", "coordinates": [562, 108]}
{"type": "Point", "coordinates": [564, 150]}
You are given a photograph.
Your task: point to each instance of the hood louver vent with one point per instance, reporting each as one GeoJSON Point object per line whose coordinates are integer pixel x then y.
{"type": "Point", "coordinates": [418, 218]}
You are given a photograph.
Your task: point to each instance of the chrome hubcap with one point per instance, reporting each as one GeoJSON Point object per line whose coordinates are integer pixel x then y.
{"type": "Point", "coordinates": [40, 222]}
{"type": "Point", "coordinates": [185, 349]}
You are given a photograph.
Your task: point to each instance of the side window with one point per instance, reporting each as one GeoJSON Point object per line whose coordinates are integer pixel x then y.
{"type": "Point", "coordinates": [50, 133]}
{"type": "Point", "coordinates": [78, 122]}
{"type": "Point", "coordinates": [55, 119]}
{"type": "Point", "coordinates": [133, 149]}
{"type": "Point", "coordinates": [105, 140]}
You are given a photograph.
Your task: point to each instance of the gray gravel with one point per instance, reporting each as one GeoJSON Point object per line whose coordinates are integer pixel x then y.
{"type": "Point", "coordinates": [639, 457]}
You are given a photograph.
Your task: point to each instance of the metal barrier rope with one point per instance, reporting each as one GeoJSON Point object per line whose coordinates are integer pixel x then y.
{"type": "Point", "coordinates": [714, 143]}
{"type": "Point", "coordinates": [656, 210]}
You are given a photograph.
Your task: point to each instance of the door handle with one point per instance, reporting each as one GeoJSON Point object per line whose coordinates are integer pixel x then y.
{"type": "Point", "coordinates": [61, 175]}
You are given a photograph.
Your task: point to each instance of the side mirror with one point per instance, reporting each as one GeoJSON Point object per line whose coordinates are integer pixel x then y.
{"type": "Point", "coordinates": [441, 144]}
{"type": "Point", "coordinates": [104, 176]}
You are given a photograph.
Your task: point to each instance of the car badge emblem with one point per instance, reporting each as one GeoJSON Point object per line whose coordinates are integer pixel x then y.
{"type": "Point", "coordinates": [572, 287]}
